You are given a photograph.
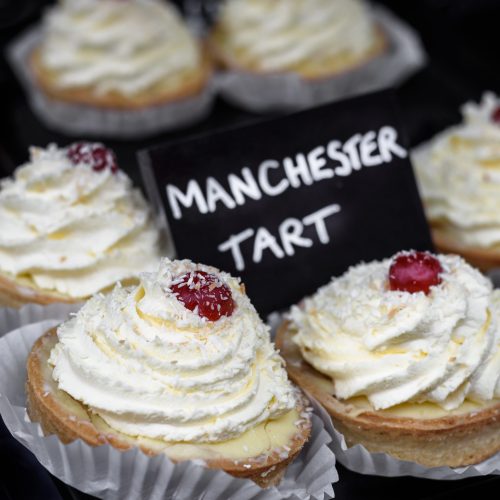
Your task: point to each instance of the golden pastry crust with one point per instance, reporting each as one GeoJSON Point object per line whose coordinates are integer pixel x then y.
{"type": "Point", "coordinates": [16, 293]}
{"type": "Point", "coordinates": [190, 84]}
{"type": "Point", "coordinates": [312, 70]}
{"type": "Point", "coordinates": [58, 413]}
{"type": "Point", "coordinates": [482, 258]}
{"type": "Point", "coordinates": [455, 440]}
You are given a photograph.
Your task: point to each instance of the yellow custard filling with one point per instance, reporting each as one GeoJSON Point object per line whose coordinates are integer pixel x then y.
{"type": "Point", "coordinates": [426, 410]}
{"type": "Point", "coordinates": [261, 439]}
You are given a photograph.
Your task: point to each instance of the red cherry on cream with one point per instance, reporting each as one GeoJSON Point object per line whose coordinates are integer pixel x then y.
{"type": "Point", "coordinates": [495, 115]}
{"type": "Point", "coordinates": [414, 272]}
{"type": "Point", "coordinates": [93, 153]}
{"type": "Point", "coordinates": [206, 293]}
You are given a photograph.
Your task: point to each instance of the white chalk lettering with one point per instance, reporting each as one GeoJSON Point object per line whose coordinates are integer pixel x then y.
{"type": "Point", "coordinates": [367, 148]}
{"type": "Point", "coordinates": [216, 193]}
{"type": "Point", "coordinates": [351, 148]}
{"type": "Point", "coordinates": [233, 244]}
{"type": "Point", "coordinates": [318, 219]}
{"type": "Point", "coordinates": [297, 171]}
{"type": "Point", "coordinates": [193, 194]}
{"type": "Point", "coordinates": [264, 179]}
{"type": "Point", "coordinates": [303, 169]}
{"type": "Point", "coordinates": [290, 231]}
{"type": "Point", "coordinates": [316, 164]}
{"type": "Point", "coordinates": [334, 154]}
{"type": "Point", "coordinates": [265, 240]}
{"type": "Point", "coordinates": [244, 187]}
{"type": "Point", "coordinates": [387, 144]}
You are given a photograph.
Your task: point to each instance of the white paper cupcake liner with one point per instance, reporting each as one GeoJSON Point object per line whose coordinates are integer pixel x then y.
{"type": "Point", "coordinates": [358, 459]}
{"type": "Point", "coordinates": [261, 93]}
{"type": "Point", "coordinates": [12, 318]}
{"type": "Point", "coordinates": [77, 120]}
{"type": "Point", "coordinates": [110, 474]}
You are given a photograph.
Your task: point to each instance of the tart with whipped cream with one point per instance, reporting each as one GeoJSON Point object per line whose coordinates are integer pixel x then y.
{"type": "Point", "coordinates": [71, 225]}
{"type": "Point", "coordinates": [459, 178]}
{"type": "Point", "coordinates": [311, 38]}
{"type": "Point", "coordinates": [180, 364]}
{"type": "Point", "coordinates": [125, 54]}
{"type": "Point", "coordinates": [404, 354]}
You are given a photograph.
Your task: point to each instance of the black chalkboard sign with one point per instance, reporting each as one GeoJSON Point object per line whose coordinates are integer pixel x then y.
{"type": "Point", "coordinates": [292, 201]}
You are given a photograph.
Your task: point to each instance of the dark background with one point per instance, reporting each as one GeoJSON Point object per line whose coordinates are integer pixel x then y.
{"type": "Point", "coordinates": [461, 38]}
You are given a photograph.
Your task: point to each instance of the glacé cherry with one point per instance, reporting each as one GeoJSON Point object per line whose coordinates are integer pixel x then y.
{"type": "Point", "coordinates": [93, 153]}
{"type": "Point", "coordinates": [206, 293]}
{"type": "Point", "coordinates": [414, 272]}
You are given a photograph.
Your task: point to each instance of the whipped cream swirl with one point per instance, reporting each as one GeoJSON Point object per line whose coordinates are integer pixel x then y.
{"type": "Point", "coordinates": [283, 34]}
{"type": "Point", "coordinates": [459, 176]}
{"type": "Point", "coordinates": [73, 230]}
{"type": "Point", "coordinates": [124, 46]}
{"type": "Point", "coordinates": [395, 347]}
{"type": "Point", "coordinates": [151, 367]}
